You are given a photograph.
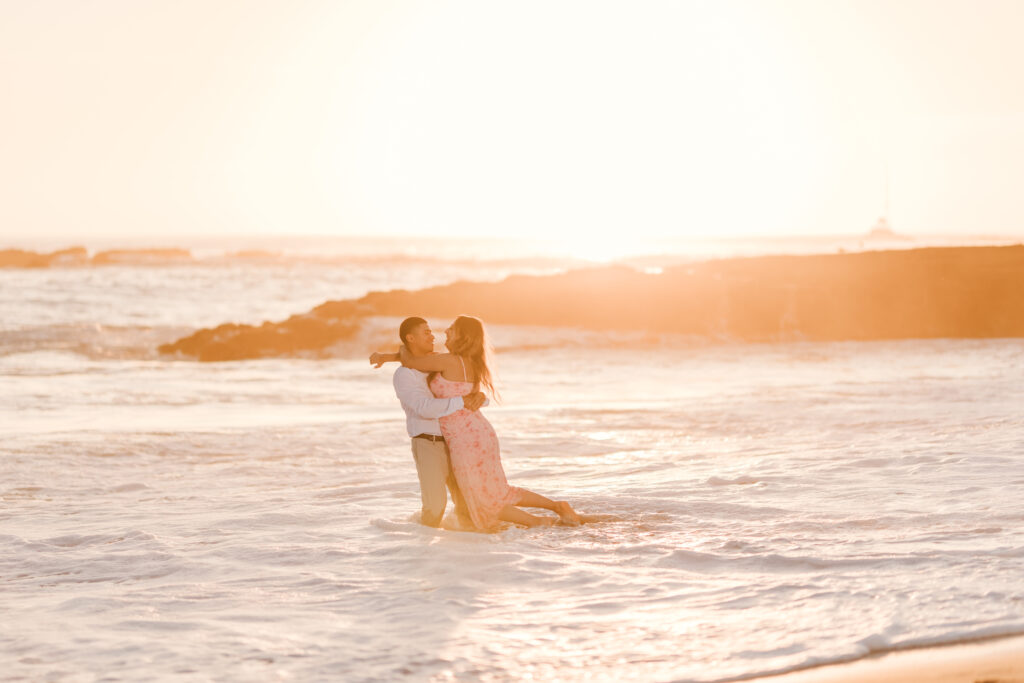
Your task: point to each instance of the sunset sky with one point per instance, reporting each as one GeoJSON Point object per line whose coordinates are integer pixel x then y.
{"type": "Point", "coordinates": [589, 118]}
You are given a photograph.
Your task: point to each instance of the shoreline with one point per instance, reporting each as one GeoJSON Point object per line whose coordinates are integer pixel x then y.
{"type": "Point", "coordinates": [996, 659]}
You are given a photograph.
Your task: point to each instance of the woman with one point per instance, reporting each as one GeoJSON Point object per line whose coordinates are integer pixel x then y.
{"type": "Point", "coordinates": [472, 442]}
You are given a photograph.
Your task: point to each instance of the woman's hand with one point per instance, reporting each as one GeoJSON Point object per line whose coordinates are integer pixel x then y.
{"type": "Point", "coordinates": [473, 401]}
{"type": "Point", "coordinates": [378, 359]}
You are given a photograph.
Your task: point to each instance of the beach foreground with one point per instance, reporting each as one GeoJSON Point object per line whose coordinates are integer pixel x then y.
{"type": "Point", "coordinates": [781, 505]}
{"type": "Point", "coordinates": [988, 661]}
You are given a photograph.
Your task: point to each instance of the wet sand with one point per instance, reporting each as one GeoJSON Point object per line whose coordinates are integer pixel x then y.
{"type": "Point", "coordinates": [998, 660]}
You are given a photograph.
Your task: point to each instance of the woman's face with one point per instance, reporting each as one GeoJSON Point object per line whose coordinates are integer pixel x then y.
{"type": "Point", "coordinates": [450, 335]}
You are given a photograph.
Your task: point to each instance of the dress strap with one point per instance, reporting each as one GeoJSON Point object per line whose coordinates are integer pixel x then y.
{"type": "Point", "coordinates": [465, 377]}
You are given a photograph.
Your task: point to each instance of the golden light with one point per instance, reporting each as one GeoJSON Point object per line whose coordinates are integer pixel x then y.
{"type": "Point", "coordinates": [569, 119]}
{"type": "Point", "coordinates": [602, 125]}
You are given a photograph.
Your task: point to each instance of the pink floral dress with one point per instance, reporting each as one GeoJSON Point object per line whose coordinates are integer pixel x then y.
{"type": "Point", "coordinates": [475, 457]}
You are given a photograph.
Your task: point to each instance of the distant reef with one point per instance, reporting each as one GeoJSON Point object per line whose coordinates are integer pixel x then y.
{"type": "Point", "coordinates": [17, 258]}
{"type": "Point", "coordinates": [79, 256]}
{"type": "Point", "coordinates": [142, 256]}
{"type": "Point", "coordinates": [918, 293]}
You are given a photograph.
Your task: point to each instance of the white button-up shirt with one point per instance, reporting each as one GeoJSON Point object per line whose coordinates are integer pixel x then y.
{"type": "Point", "coordinates": [422, 408]}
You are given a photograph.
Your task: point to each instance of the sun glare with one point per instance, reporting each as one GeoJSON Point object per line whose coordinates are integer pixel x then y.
{"type": "Point", "coordinates": [571, 120]}
{"type": "Point", "coordinates": [636, 131]}
{"type": "Point", "coordinates": [601, 248]}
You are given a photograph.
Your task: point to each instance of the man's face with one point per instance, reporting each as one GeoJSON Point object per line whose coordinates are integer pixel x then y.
{"type": "Point", "coordinates": [421, 340]}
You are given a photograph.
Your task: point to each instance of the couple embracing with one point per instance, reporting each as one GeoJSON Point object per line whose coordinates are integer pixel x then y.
{"type": "Point", "coordinates": [453, 444]}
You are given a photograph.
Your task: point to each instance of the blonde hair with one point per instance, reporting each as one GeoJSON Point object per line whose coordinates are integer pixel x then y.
{"type": "Point", "coordinates": [471, 343]}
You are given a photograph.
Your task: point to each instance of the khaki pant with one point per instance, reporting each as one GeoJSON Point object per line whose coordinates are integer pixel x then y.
{"type": "Point", "coordinates": [434, 470]}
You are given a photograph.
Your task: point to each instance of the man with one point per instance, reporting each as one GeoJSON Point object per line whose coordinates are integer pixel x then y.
{"type": "Point", "coordinates": [422, 410]}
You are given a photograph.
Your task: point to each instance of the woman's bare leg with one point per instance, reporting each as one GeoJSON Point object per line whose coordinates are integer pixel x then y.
{"type": "Point", "coordinates": [511, 513]}
{"type": "Point", "coordinates": [562, 508]}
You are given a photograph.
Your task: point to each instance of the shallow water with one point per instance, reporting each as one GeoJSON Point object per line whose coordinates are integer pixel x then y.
{"type": "Point", "coordinates": [780, 505]}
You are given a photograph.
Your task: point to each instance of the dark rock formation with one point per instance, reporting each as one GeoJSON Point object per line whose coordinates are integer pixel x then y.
{"type": "Point", "coordinates": [939, 292]}
{"type": "Point", "coordinates": [300, 333]}
{"type": "Point", "coordinates": [141, 256]}
{"type": "Point", "coordinates": [17, 258]}
{"type": "Point", "coordinates": [79, 256]}
{"type": "Point", "coordinates": [254, 255]}
{"type": "Point", "coordinates": [75, 256]}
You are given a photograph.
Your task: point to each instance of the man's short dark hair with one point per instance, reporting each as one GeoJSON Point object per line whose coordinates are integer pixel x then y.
{"type": "Point", "coordinates": [409, 326]}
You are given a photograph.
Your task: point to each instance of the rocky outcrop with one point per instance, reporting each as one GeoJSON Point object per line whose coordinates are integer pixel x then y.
{"type": "Point", "coordinates": [938, 292]}
{"type": "Point", "coordinates": [17, 258]}
{"type": "Point", "coordinates": [79, 256]}
{"type": "Point", "coordinates": [141, 256]}
{"type": "Point", "coordinates": [299, 334]}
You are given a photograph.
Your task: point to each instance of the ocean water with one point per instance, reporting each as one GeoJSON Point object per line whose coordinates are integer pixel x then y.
{"type": "Point", "coordinates": [777, 506]}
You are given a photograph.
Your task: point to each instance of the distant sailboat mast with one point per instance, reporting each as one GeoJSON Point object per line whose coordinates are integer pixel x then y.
{"type": "Point", "coordinates": [882, 228]}
{"type": "Point", "coordinates": [885, 205]}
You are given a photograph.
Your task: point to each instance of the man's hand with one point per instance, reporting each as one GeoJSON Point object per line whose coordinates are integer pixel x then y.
{"type": "Point", "coordinates": [376, 359]}
{"type": "Point", "coordinates": [473, 401]}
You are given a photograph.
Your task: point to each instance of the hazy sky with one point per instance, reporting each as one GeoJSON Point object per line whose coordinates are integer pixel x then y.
{"type": "Point", "coordinates": [614, 119]}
